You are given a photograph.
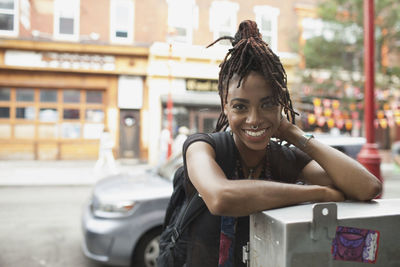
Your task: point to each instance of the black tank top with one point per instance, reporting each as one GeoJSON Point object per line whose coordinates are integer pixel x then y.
{"type": "Point", "coordinates": [203, 248]}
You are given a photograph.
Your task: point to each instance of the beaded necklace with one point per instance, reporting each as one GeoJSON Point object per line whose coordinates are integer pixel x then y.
{"type": "Point", "coordinates": [265, 172]}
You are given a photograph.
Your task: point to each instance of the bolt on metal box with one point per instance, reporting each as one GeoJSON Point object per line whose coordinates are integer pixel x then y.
{"type": "Point", "coordinates": [327, 235]}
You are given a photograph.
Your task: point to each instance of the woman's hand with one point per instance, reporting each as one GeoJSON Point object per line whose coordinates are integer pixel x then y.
{"type": "Point", "coordinates": [284, 128]}
{"type": "Point", "coordinates": [332, 195]}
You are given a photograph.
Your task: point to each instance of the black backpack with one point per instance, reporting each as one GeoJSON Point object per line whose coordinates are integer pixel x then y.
{"type": "Point", "coordinates": [182, 210]}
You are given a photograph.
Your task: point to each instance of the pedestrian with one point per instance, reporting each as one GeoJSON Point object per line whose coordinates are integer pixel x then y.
{"type": "Point", "coordinates": [256, 106]}
{"type": "Point", "coordinates": [179, 140]}
{"type": "Point", "coordinates": [164, 142]}
{"type": "Point", "coordinates": [106, 156]}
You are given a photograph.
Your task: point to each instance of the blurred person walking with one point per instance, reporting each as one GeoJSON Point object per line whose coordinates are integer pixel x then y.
{"type": "Point", "coordinates": [177, 146]}
{"type": "Point", "coordinates": [106, 157]}
{"type": "Point", "coordinates": [165, 139]}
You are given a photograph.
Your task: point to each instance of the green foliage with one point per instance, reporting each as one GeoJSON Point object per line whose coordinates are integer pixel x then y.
{"type": "Point", "coordinates": [321, 54]}
{"type": "Point", "coordinates": [344, 15]}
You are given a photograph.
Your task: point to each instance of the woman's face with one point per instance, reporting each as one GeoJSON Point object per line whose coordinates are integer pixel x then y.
{"type": "Point", "coordinates": [253, 114]}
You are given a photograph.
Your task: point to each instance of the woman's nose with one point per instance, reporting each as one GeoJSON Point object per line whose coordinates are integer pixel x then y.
{"type": "Point", "coordinates": [253, 117]}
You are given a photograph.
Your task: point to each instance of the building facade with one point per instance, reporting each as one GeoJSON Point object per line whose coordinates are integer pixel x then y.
{"type": "Point", "coordinates": [69, 68]}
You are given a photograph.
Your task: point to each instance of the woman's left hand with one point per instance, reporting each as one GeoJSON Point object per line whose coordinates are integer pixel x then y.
{"type": "Point", "coordinates": [284, 128]}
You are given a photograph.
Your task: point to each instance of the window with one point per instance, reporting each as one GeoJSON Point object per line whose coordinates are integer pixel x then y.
{"type": "Point", "coordinates": [4, 112]}
{"type": "Point", "coordinates": [9, 17]}
{"type": "Point", "coordinates": [182, 19]}
{"type": "Point", "coordinates": [223, 17]}
{"type": "Point", "coordinates": [38, 114]}
{"type": "Point", "coordinates": [94, 97]}
{"type": "Point", "coordinates": [27, 113]}
{"type": "Point", "coordinates": [267, 21]}
{"type": "Point", "coordinates": [25, 95]}
{"type": "Point", "coordinates": [5, 94]}
{"type": "Point", "coordinates": [72, 96]}
{"type": "Point", "coordinates": [66, 19]}
{"type": "Point", "coordinates": [121, 21]}
{"type": "Point", "coordinates": [48, 96]}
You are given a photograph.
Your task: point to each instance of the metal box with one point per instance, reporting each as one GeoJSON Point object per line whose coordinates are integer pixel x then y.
{"type": "Point", "coordinates": [327, 235]}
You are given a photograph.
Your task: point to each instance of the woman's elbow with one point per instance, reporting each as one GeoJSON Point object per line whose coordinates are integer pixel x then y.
{"type": "Point", "coordinates": [218, 204]}
{"type": "Point", "coordinates": [373, 190]}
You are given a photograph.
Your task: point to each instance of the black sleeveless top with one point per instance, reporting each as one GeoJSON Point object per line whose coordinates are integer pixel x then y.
{"type": "Point", "coordinates": [285, 164]}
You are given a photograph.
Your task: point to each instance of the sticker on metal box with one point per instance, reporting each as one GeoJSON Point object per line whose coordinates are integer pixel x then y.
{"type": "Point", "coordinates": [355, 244]}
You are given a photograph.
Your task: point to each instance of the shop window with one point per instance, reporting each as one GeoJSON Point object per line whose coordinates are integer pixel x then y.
{"type": "Point", "coordinates": [94, 115]}
{"type": "Point", "coordinates": [267, 21]}
{"type": "Point", "coordinates": [66, 19]}
{"type": "Point", "coordinates": [94, 97]}
{"type": "Point", "coordinates": [5, 94]}
{"type": "Point", "coordinates": [24, 131]}
{"type": "Point", "coordinates": [70, 130]}
{"type": "Point", "coordinates": [5, 130]}
{"type": "Point", "coordinates": [72, 96]}
{"type": "Point", "coordinates": [92, 130]}
{"type": "Point", "coordinates": [9, 18]}
{"type": "Point", "coordinates": [27, 113]}
{"type": "Point", "coordinates": [48, 96]}
{"type": "Point", "coordinates": [4, 112]}
{"type": "Point", "coordinates": [25, 95]}
{"type": "Point", "coordinates": [223, 17]}
{"type": "Point", "coordinates": [48, 131]}
{"type": "Point", "coordinates": [182, 19]}
{"type": "Point", "coordinates": [121, 21]}
{"type": "Point", "coordinates": [48, 115]}
{"type": "Point", "coordinates": [71, 114]}
{"type": "Point", "coordinates": [37, 113]}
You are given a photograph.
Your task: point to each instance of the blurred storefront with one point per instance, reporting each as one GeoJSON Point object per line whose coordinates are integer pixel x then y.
{"type": "Point", "coordinates": [56, 98]}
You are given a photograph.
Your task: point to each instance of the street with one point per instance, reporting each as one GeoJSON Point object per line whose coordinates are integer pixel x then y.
{"type": "Point", "coordinates": [40, 226]}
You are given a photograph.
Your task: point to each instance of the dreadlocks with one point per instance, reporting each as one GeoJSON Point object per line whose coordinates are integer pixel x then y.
{"type": "Point", "coordinates": [251, 53]}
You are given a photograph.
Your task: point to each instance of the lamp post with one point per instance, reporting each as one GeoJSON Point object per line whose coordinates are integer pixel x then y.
{"type": "Point", "coordinates": [170, 103]}
{"type": "Point", "coordinates": [369, 154]}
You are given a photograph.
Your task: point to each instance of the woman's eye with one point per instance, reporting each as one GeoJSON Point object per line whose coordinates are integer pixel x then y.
{"type": "Point", "coordinates": [239, 107]}
{"type": "Point", "coordinates": [269, 105]}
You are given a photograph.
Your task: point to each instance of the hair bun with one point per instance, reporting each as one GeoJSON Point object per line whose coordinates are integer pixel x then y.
{"type": "Point", "coordinates": [247, 29]}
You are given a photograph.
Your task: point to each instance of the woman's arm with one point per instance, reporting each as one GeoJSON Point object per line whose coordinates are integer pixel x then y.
{"type": "Point", "coordinates": [330, 166]}
{"type": "Point", "coordinates": [243, 197]}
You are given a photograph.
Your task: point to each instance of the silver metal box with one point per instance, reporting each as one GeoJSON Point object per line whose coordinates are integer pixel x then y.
{"type": "Point", "coordinates": [327, 235]}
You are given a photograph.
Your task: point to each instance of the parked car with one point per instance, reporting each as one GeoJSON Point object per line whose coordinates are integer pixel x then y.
{"type": "Point", "coordinates": [348, 145]}
{"type": "Point", "coordinates": [122, 222]}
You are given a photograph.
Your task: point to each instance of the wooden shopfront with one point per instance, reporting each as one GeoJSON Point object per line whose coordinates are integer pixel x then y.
{"type": "Point", "coordinates": [56, 98]}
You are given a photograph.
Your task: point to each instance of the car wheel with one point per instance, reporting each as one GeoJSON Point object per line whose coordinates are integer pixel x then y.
{"type": "Point", "coordinates": [147, 250]}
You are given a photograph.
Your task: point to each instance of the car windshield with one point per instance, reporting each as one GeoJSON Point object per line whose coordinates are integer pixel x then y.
{"type": "Point", "coordinates": [168, 169]}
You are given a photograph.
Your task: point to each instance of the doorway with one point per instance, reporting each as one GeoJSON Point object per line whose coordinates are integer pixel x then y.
{"type": "Point", "coordinates": [129, 134]}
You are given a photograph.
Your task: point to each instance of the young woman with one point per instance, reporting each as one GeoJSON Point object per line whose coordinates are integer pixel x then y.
{"type": "Point", "coordinates": [256, 106]}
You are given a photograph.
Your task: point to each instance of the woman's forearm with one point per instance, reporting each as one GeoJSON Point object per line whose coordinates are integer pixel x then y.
{"type": "Point", "coordinates": [348, 175]}
{"type": "Point", "coordinates": [244, 197]}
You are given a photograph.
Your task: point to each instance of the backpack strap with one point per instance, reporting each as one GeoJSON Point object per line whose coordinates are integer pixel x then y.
{"type": "Point", "coordinates": [195, 205]}
{"type": "Point", "coordinates": [224, 151]}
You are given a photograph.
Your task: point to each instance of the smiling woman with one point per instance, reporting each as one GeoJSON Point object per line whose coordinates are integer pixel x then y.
{"type": "Point", "coordinates": [256, 119]}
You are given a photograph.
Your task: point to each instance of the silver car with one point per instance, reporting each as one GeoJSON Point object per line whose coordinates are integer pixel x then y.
{"type": "Point", "coordinates": [122, 222]}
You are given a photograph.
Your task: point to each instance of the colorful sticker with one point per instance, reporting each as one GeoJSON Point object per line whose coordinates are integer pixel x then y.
{"type": "Point", "coordinates": [354, 244]}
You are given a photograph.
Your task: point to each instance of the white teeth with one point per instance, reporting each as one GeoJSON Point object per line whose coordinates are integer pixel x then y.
{"type": "Point", "coordinates": [255, 134]}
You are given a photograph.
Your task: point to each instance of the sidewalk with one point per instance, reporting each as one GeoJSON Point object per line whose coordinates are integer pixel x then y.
{"type": "Point", "coordinates": [28, 173]}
